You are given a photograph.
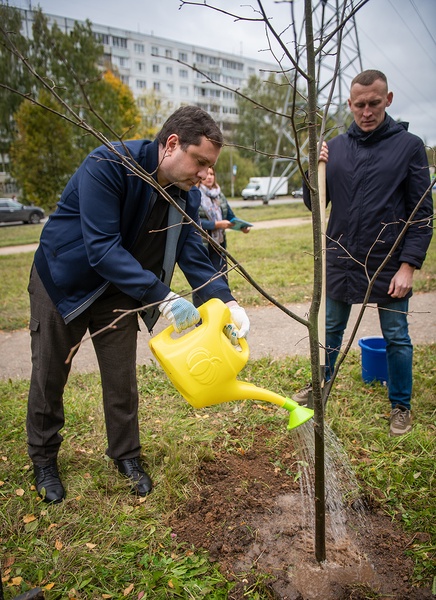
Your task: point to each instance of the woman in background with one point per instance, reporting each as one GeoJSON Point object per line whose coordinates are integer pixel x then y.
{"type": "Point", "coordinates": [215, 217]}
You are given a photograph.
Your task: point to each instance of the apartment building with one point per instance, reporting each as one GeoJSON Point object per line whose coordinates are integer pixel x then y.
{"type": "Point", "coordinates": [146, 62]}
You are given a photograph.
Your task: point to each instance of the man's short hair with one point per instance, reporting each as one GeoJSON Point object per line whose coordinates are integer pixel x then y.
{"type": "Point", "coordinates": [191, 123]}
{"type": "Point", "coordinates": [368, 77]}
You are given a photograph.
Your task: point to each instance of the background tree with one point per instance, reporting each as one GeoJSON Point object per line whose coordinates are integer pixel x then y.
{"type": "Point", "coordinates": [257, 128]}
{"type": "Point", "coordinates": [13, 73]}
{"type": "Point", "coordinates": [154, 109]}
{"type": "Point", "coordinates": [245, 168]}
{"type": "Point", "coordinates": [43, 154]}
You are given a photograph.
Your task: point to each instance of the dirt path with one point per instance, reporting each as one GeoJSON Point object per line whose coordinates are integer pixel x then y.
{"type": "Point", "coordinates": [273, 333]}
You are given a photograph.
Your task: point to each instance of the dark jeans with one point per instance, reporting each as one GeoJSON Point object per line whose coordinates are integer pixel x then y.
{"type": "Point", "coordinates": [51, 342]}
{"type": "Point", "coordinates": [399, 349]}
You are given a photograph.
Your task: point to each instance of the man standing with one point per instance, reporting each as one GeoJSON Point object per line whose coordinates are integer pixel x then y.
{"type": "Point", "coordinates": [376, 173]}
{"type": "Point", "coordinates": [112, 243]}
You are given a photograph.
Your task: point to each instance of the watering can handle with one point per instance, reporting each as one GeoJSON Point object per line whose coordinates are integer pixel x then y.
{"type": "Point", "coordinates": [214, 313]}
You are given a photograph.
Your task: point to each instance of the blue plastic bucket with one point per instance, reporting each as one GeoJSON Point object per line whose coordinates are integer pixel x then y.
{"type": "Point", "coordinates": [374, 363]}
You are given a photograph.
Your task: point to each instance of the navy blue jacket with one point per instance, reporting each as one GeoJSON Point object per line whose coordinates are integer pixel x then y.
{"type": "Point", "coordinates": [374, 181]}
{"type": "Point", "coordinates": [86, 243]}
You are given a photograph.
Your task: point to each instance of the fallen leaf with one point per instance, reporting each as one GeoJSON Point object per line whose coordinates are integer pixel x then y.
{"type": "Point", "coordinates": [51, 526]}
{"type": "Point", "coordinates": [7, 561]}
{"type": "Point", "coordinates": [58, 545]}
{"type": "Point", "coordinates": [16, 580]}
{"type": "Point", "coordinates": [20, 492]}
{"type": "Point", "coordinates": [90, 546]}
{"type": "Point", "coordinates": [128, 590]}
{"type": "Point", "coordinates": [49, 586]}
{"type": "Point", "coordinates": [29, 518]}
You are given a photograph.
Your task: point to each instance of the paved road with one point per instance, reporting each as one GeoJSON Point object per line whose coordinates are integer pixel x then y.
{"type": "Point", "coordinates": [273, 333]}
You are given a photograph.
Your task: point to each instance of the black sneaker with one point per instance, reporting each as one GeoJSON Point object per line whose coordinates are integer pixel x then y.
{"type": "Point", "coordinates": [48, 482]}
{"type": "Point", "coordinates": [133, 470]}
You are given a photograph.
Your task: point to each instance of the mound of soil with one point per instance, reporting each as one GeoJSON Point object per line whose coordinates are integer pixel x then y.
{"type": "Point", "coordinates": [256, 521]}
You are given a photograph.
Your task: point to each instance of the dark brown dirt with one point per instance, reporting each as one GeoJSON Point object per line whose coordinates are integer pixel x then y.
{"type": "Point", "coordinates": [256, 522]}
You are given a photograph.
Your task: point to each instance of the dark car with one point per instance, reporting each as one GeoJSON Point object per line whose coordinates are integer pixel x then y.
{"type": "Point", "coordinates": [11, 210]}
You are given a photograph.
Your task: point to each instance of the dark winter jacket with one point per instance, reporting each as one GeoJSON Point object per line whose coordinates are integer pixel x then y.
{"type": "Point", "coordinates": [86, 243]}
{"type": "Point", "coordinates": [374, 181]}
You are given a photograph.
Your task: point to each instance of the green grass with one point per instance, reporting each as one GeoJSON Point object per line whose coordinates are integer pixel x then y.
{"type": "Point", "coordinates": [16, 235]}
{"type": "Point", "coordinates": [278, 259]}
{"type": "Point", "coordinates": [14, 299]}
{"type": "Point", "coordinates": [268, 212]}
{"type": "Point", "coordinates": [101, 540]}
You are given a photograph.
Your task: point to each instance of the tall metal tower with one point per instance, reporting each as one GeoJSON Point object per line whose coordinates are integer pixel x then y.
{"type": "Point", "coordinates": [341, 54]}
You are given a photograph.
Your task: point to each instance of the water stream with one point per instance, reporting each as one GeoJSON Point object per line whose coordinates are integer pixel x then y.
{"type": "Point", "coordinates": [341, 487]}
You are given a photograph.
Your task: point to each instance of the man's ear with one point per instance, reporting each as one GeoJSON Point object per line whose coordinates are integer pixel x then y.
{"type": "Point", "coordinates": [390, 98]}
{"type": "Point", "coordinates": [172, 143]}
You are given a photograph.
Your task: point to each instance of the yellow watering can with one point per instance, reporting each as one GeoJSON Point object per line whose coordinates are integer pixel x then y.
{"type": "Point", "coordinates": [203, 365]}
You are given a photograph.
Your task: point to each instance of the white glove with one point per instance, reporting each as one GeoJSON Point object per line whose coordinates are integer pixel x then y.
{"type": "Point", "coordinates": [240, 319]}
{"type": "Point", "coordinates": [179, 311]}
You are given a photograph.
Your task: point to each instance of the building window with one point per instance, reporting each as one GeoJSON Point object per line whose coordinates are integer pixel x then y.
{"type": "Point", "coordinates": [119, 42]}
{"type": "Point", "coordinates": [232, 64]}
{"type": "Point", "coordinates": [183, 56]}
{"type": "Point", "coordinates": [184, 90]}
{"type": "Point", "coordinates": [102, 38]}
{"type": "Point", "coordinates": [170, 88]}
{"type": "Point", "coordinates": [123, 61]}
{"type": "Point", "coordinates": [168, 53]}
{"type": "Point", "coordinates": [156, 86]}
{"type": "Point", "coordinates": [124, 79]}
{"type": "Point", "coordinates": [140, 66]}
{"type": "Point", "coordinates": [154, 51]}
{"type": "Point", "coordinates": [169, 70]}
{"type": "Point", "coordinates": [141, 84]}
{"type": "Point", "coordinates": [183, 73]}
{"type": "Point", "coordinates": [155, 68]}
{"type": "Point", "coordinates": [139, 48]}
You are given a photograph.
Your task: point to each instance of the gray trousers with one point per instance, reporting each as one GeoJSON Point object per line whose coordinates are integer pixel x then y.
{"type": "Point", "coordinates": [51, 342]}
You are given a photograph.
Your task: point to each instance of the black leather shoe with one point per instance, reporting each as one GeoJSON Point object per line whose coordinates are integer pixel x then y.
{"type": "Point", "coordinates": [48, 482]}
{"type": "Point", "coordinates": [133, 470]}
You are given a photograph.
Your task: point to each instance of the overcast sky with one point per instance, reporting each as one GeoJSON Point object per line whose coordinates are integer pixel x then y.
{"type": "Point", "coordinates": [396, 36]}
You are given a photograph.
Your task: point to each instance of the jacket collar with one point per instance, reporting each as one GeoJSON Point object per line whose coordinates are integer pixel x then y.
{"type": "Point", "coordinates": [388, 128]}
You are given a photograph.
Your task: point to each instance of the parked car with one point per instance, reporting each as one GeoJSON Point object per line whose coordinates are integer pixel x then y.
{"type": "Point", "coordinates": [11, 210]}
{"type": "Point", "coordinates": [297, 193]}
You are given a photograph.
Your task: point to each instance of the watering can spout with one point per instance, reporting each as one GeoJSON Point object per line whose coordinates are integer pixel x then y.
{"type": "Point", "coordinates": [203, 365]}
{"type": "Point", "coordinates": [242, 390]}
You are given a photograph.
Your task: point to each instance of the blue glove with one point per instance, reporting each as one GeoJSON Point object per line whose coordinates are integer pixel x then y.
{"type": "Point", "coordinates": [179, 311]}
